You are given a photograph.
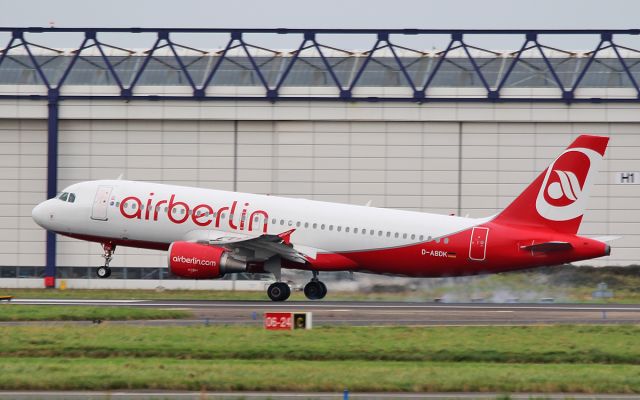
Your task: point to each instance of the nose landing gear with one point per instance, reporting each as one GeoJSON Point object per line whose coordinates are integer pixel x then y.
{"type": "Point", "coordinates": [104, 271]}
{"type": "Point", "coordinates": [315, 289]}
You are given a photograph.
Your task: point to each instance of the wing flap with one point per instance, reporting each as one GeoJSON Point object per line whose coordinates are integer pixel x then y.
{"type": "Point", "coordinates": [276, 244]}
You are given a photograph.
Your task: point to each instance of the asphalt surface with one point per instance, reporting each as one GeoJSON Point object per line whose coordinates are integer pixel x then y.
{"type": "Point", "coordinates": [373, 313]}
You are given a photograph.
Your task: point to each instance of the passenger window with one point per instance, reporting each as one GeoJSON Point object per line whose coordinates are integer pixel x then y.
{"type": "Point", "coordinates": [281, 222]}
{"type": "Point", "coordinates": [437, 240]}
{"type": "Point", "coordinates": [297, 223]}
{"type": "Point", "coordinates": [379, 233]}
{"type": "Point", "coordinates": [306, 224]}
{"type": "Point", "coordinates": [446, 240]}
{"type": "Point", "coordinates": [422, 238]}
{"type": "Point", "coordinates": [315, 226]}
{"type": "Point", "coordinates": [413, 236]}
{"type": "Point", "coordinates": [396, 235]}
{"type": "Point", "coordinates": [64, 196]}
{"type": "Point", "coordinates": [322, 226]}
{"type": "Point", "coordinates": [339, 228]}
{"type": "Point", "coordinates": [371, 232]}
{"type": "Point", "coordinates": [388, 234]}
{"type": "Point", "coordinates": [355, 230]}
{"type": "Point", "coordinates": [330, 227]}
{"type": "Point", "coordinates": [404, 235]}
{"type": "Point", "coordinates": [346, 229]}
{"type": "Point", "coordinates": [72, 198]}
{"type": "Point", "coordinates": [290, 223]}
{"type": "Point", "coordinates": [273, 221]}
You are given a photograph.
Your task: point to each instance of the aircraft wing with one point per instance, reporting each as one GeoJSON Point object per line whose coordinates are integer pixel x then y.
{"type": "Point", "coordinates": [276, 244]}
{"type": "Point", "coordinates": [547, 247]}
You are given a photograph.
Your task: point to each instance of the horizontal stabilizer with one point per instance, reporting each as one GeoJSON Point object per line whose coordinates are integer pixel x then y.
{"type": "Point", "coordinates": [606, 238]}
{"type": "Point", "coordinates": [547, 247]}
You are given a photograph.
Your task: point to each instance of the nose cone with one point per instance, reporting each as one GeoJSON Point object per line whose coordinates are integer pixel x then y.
{"type": "Point", "coordinates": [42, 214]}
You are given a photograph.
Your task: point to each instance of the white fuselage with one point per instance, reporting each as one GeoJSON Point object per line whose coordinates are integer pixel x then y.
{"type": "Point", "coordinates": [327, 227]}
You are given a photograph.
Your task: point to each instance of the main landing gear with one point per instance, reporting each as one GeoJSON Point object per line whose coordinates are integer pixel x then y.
{"type": "Point", "coordinates": [315, 289]}
{"type": "Point", "coordinates": [279, 291]}
{"type": "Point", "coordinates": [104, 271]}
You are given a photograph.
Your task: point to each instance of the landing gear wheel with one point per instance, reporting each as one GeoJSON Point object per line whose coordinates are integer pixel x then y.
{"type": "Point", "coordinates": [324, 290]}
{"type": "Point", "coordinates": [279, 291]}
{"type": "Point", "coordinates": [315, 290]}
{"type": "Point", "coordinates": [103, 272]}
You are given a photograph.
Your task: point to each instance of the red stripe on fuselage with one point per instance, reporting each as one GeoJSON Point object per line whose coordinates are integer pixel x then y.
{"type": "Point", "coordinates": [447, 257]}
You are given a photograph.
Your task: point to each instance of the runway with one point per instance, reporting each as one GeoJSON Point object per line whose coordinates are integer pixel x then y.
{"type": "Point", "coordinates": [375, 313]}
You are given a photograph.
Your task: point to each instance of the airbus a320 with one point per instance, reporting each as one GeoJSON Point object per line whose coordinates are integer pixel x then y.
{"type": "Point", "coordinates": [210, 233]}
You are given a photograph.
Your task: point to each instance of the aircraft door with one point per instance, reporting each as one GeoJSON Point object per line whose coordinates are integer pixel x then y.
{"type": "Point", "coordinates": [101, 203]}
{"type": "Point", "coordinates": [478, 244]}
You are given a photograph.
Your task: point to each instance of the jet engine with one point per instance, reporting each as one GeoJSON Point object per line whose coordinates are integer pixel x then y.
{"type": "Point", "coordinates": [201, 261]}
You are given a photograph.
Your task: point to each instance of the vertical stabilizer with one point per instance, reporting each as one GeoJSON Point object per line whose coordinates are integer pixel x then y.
{"type": "Point", "coordinates": [558, 197]}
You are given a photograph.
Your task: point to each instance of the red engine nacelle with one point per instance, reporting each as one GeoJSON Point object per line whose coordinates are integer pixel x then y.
{"type": "Point", "coordinates": [201, 261]}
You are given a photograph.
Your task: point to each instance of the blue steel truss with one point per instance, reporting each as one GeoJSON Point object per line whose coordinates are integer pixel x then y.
{"type": "Point", "coordinates": [418, 83]}
{"type": "Point", "coordinates": [54, 78]}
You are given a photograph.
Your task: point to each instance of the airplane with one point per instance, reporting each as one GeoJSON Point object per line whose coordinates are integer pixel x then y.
{"type": "Point", "coordinates": [210, 233]}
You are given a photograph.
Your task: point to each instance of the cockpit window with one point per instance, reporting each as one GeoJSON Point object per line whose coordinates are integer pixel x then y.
{"type": "Point", "coordinates": [68, 197]}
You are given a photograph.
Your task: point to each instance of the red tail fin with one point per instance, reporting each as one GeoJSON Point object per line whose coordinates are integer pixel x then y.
{"type": "Point", "coordinates": [558, 197]}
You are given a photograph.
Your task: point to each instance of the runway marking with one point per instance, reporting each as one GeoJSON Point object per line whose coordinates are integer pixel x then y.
{"type": "Point", "coordinates": [73, 301]}
{"type": "Point", "coordinates": [328, 307]}
{"type": "Point", "coordinates": [577, 307]}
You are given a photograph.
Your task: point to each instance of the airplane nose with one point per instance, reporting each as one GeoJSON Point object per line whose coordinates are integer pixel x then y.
{"type": "Point", "coordinates": [41, 214]}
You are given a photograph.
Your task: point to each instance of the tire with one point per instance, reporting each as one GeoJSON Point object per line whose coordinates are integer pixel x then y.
{"type": "Point", "coordinates": [323, 293]}
{"type": "Point", "coordinates": [313, 290]}
{"type": "Point", "coordinates": [103, 272]}
{"type": "Point", "coordinates": [279, 291]}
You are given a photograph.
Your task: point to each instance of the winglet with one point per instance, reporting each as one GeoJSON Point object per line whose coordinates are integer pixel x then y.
{"type": "Point", "coordinates": [286, 236]}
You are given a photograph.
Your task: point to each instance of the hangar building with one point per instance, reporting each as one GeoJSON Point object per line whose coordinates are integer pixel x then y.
{"type": "Point", "coordinates": [458, 129]}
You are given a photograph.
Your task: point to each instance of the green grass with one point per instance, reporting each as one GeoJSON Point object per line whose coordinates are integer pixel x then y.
{"type": "Point", "coordinates": [585, 359]}
{"type": "Point", "coordinates": [563, 283]}
{"type": "Point", "coordinates": [19, 312]}
{"type": "Point", "coordinates": [284, 375]}
{"type": "Point", "coordinates": [610, 344]}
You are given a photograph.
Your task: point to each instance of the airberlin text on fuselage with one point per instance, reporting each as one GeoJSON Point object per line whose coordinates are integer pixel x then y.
{"type": "Point", "coordinates": [201, 214]}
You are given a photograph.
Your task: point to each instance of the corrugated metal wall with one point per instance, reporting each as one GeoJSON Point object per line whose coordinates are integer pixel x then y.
{"type": "Point", "coordinates": [471, 168]}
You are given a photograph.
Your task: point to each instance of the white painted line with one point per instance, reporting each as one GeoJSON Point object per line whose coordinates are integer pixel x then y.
{"type": "Point", "coordinates": [73, 301]}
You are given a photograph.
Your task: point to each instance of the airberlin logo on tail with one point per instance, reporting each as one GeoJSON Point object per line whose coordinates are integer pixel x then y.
{"type": "Point", "coordinates": [567, 187]}
{"type": "Point", "coordinates": [564, 190]}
